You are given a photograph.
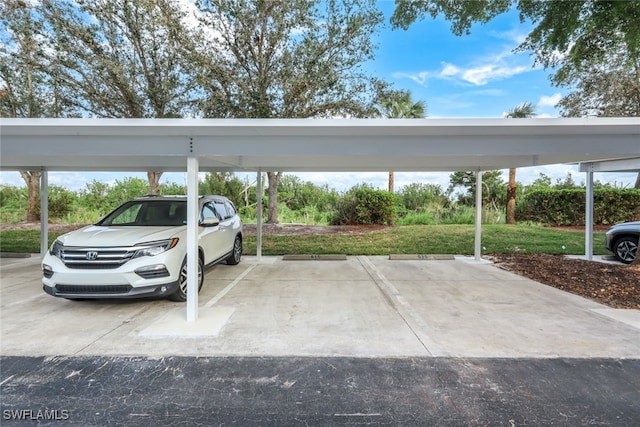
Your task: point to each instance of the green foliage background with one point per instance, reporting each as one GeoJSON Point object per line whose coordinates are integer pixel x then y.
{"type": "Point", "coordinates": [567, 206]}
{"type": "Point", "coordinates": [542, 202]}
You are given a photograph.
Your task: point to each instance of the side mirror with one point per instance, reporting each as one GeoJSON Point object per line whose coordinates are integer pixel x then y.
{"type": "Point", "coordinates": [209, 222]}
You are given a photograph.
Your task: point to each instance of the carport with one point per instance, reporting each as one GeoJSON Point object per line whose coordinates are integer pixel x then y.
{"type": "Point", "coordinates": [259, 145]}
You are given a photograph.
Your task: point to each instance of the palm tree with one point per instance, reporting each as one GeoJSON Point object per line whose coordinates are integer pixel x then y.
{"type": "Point", "coordinates": [521, 111]}
{"type": "Point", "coordinates": [399, 105]}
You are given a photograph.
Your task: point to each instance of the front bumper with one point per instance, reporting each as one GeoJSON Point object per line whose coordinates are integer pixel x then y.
{"type": "Point", "coordinates": [109, 291]}
{"type": "Point", "coordinates": [608, 243]}
{"type": "Point", "coordinates": [122, 282]}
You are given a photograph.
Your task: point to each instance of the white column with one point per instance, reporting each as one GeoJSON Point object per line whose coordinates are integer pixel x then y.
{"type": "Point", "coordinates": [588, 215]}
{"type": "Point", "coordinates": [44, 212]}
{"type": "Point", "coordinates": [478, 236]}
{"type": "Point", "coordinates": [192, 238]}
{"type": "Point", "coordinates": [259, 215]}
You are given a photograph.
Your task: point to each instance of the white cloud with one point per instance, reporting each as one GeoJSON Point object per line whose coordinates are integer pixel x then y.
{"type": "Point", "coordinates": [478, 72]}
{"type": "Point", "coordinates": [516, 35]}
{"type": "Point", "coordinates": [449, 70]}
{"type": "Point", "coordinates": [482, 75]}
{"type": "Point", "coordinates": [549, 101]}
{"type": "Point", "coordinates": [420, 78]}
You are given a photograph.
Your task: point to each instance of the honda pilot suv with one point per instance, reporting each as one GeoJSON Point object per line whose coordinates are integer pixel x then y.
{"type": "Point", "coordinates": [140, 249]}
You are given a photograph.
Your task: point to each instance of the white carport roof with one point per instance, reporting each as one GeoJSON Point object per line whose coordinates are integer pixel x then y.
{"type": "Point", "coordinates": [311, 145]}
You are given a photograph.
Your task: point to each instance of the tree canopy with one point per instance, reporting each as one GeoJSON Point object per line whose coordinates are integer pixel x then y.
{"type": "Point", "coordinates": [286, 59]}
{"type": "Point", "coordinates": [207, 58]}
{"type": "Point", "coordinates": [121, 58]}
{"type": "Point", "coordinates": [27, 88]}
{"type": "Point", "coordinates": [397, 104]}
{"type": "Point", "coordinates": [588, 43]}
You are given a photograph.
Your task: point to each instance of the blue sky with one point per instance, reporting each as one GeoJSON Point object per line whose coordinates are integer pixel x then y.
{"type": "Point", "coordinates": [475, 75]}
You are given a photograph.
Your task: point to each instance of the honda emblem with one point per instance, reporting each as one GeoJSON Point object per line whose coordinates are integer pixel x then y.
{"type": "Point", "coordinates": [92, 255]}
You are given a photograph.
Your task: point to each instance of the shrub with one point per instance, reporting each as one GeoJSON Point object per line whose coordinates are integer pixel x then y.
{"type": "Point", "coordinates": [417, 196]}
{"type": "Point", "coordinates": [363, 205]}
{"type": "Point", "coordinates": [103, 198]}
{"type": "Point", "coordinates": [567, 206]}
{"type": "Point", "coordinates": [299, 196]}
{"type": "Point", "coordinates": [414, 218]}
{"type": "Point", "coordinates": [61, 201]}
{"type": "Point", "coordinates": [229, 185]}
{"type": "Point", "coordinates": [172, 189]}
{"type": "Point", "coordinates": [13, 203]}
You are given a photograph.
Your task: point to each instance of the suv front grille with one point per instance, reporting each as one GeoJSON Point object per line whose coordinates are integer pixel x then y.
{"type": "Point", "coordinates": [98, 289]}
{"type": "Point", "coordinates": [95, 258]}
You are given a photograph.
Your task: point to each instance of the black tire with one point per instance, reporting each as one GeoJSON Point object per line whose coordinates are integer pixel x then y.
{"type": "Point", "coordinates": [236, 252]}
{"type": "Point", "coordinates": [626, 249]}
{"type": "Point", "coordinates": [180, 295]}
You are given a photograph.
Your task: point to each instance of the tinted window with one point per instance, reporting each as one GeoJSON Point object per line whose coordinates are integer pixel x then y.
{"type": "Point", "coordinates": [221, 209]}
{"type": "Point", "coordinates": [208, 212]}
{"type": "Point", "coordinates": [149, 213]}
{"type": "Point", "coordinates": [124, 215]}
{"type": "Point", "coordinates": [230, 208]}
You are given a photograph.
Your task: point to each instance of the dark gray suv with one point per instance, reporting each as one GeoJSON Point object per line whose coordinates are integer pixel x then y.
{"type": "Point", "coordinates": [622, 240]}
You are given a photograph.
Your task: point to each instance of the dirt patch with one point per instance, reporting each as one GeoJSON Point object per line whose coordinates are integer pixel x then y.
{"type": "Point", "coordinates": [616, 285]}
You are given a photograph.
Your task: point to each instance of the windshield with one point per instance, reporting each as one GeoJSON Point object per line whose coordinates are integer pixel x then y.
{"type": "Point", "coordinates": [148, 213]}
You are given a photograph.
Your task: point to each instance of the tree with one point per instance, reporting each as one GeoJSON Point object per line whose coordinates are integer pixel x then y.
{"type": "Point", "coordinates": [285, 59]}
{"type": "Point", "coordinates": [399, 105]}
{"type": "Point", "coordinates": [593, 45]}
{"type": "Point", "coordinates": [27, 88]}
{"type": "Point", "coordinates": [123, 59]}
{"type": "Point", "coordinates": [610, 89]}
{"type": "Point", "coordinates": [491, 181]}
{"type": "Point", "coordinates": [521, 111]}
{"type": "Point", "coordinates": [604, 90]}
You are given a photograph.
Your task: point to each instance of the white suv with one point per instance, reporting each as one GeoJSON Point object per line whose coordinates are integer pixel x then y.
{"type": "Point", "coordinates": [139, 249]}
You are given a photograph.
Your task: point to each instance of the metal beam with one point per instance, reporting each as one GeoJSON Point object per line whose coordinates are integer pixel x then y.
{"type": "Point", "coordinates": [192, 238]}
{"type": "Point", "coordinates": [44, 212]}
{"type": "Point", "coordinates": [478, 234]}
{"type": "Point", "coordinates": [617, 165]}
{"type": "Point", "coordinates": [259, 215]}
{"type": "Point", "coordinates": [588, 223]}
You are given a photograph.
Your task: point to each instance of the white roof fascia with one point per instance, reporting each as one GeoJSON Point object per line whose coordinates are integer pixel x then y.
{"type": "Point", "coordinates": [313, 144]}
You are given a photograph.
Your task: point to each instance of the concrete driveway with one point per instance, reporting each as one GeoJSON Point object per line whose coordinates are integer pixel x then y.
{"type": "Point", "coordinates": [367, 340]}
{"type": "Point", "coordinates": [364, 306]}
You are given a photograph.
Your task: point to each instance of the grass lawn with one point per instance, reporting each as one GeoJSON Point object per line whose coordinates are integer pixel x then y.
{"type": "Point", "coordinates": [432, 239]}
{"type": "Point", "coordinates": [414, 239]}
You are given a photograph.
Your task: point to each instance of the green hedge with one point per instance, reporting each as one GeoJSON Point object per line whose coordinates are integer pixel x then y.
{"type": "Point", "coordinates": [567, 207]}
{"type": "Point", "coordinates": [365, 206]}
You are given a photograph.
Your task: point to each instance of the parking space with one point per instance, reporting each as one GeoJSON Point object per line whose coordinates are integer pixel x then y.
{"type": "Point", "coordinates": [365, 306]}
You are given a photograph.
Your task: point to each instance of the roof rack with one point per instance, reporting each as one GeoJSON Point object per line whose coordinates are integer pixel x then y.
{"type": "Point", "coordinates": [167, 195]}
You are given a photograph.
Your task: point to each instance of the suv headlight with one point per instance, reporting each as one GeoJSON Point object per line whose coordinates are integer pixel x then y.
{"type": "Point", "coordinates": [155, 248]}
{"type": "Point", "coordinates": [56, 248]}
